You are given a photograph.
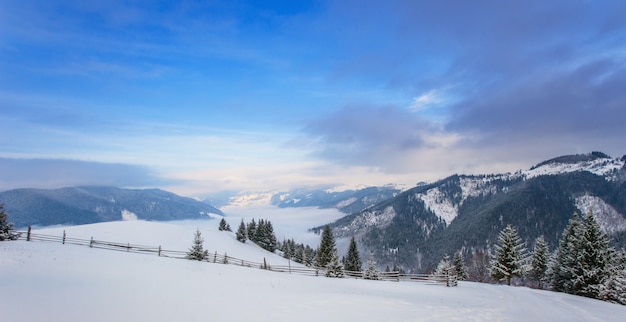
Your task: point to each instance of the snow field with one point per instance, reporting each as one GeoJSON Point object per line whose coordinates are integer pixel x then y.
{"type": "Point", "coordinates": [53, 282]}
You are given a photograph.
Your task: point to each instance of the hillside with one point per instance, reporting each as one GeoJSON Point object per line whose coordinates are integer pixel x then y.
{"type": "Point", "coordinates": [85, 205]}
{"type": "Point", "coordinates": [416, 228]}
{"type": "Point", "coordinates": [53, 282]}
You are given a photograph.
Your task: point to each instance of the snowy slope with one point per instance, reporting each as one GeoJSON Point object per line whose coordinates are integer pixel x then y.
{"type": "Point", "coordinates": [52, 282]}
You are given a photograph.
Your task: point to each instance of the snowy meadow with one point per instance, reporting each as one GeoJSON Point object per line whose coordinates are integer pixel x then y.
{"type": "Point", "coordinates": [42, 281]}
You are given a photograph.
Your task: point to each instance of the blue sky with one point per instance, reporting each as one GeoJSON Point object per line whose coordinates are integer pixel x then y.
{"type": "Point", "coordinates": [199, 97]}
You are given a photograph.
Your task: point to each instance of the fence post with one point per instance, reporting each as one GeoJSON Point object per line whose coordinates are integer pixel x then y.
{"type": "Point", "coordinates": [264, 263]}
{"type": "Point", "coordinates": [91, 242]}
{"type": "Point", "coordinates": [128, 248]}
{"type": "Point", "coordinates": [64, 235]}
{"type": "Point", "coordinates": [289, 263]}
{"type": "Point", "coordinates": [28, 234]}
{"type": "Point", "coordinates": [159, 250]}
{"type": "Point", "coordinates": [215, 257]}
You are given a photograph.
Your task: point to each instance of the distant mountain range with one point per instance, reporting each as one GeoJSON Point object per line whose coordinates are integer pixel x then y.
{"type": "Point", "coordinates": [84, 205]}
{"type": "Point", "coordinates": [414, 229]}
{"type": "Point", "coordinates": [345, 200]}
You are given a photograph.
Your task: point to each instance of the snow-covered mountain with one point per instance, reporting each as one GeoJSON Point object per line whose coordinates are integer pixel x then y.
{"type": "Point", "coordinates": [84, 205]}
{"type": "Point", "coordinates": [345, 199]}
{"type": "Point", "coordinates": [466, 212]}
{"type": "Point", "coordinates": [53, 282]}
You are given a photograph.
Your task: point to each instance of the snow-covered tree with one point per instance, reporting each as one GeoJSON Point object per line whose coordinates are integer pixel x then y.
{"type": "Point", "coordinates": [540, 261]}
{"type": "Point", "coordinates": [353, 259]}
{"type": "Point", "coordinates": [197, 252]}
{"type": "Point", "coordinates": [265, 237]}
{"type": "Point", "coordinates": [459, 266]}
{"type": "Point", "coordinates": [445, 267]}
{"type": "Point", "coordinates": [334, 268]}
{"type": "Point", "coordinates": [327, 247]}
{"type": "Point", "coordinates": [508, 260]}
{"type": "Point", "coordinates": [584, 262]}
{"type": "Point", "coordinates": [371, 273]}
{"type": "Point", "coordinates": [6, 227]}
{"type": "Point", "coordinates": [224, 226]}
{"type": "Point", "coordinates": [595, 259]}
{"type": "Point", "coordinates": [241, 232]}
{"type": "Point", "coordinates": [615, 285]}
{"type": "Point", "coordinates": [565, 262]}
{"type": "Point", "coordinates": [252, 230]}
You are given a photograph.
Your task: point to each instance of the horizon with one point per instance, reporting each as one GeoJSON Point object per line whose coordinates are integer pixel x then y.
{"type": "Point", "coordinates": [238, 96]}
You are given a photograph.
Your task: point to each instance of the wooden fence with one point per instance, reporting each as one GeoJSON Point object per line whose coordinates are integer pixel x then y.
{"type": "Point", "coordinates": [448, 280]}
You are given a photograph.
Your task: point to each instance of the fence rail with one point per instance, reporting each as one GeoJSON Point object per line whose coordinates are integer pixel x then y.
{"type": "Point", "coordinates": [448, 280]}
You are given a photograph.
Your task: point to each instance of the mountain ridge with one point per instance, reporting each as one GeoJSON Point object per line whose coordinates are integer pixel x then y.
{"type": "Point", "coordinates": [92, 204]}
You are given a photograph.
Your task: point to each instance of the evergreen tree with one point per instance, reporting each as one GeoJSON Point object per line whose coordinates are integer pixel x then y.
{"type": "Point", "coordinates": [566, 257]}
{"type": "Point", "coordinates": [326, 248]}
{"type": "Point", "coordinates": [334, 268]}
{"type": "Point", "coordinates": [197, 252]}
{"type": "Point", "coordinates": [615, 286]}
{"type": "Point", "coordinates": [540, 260]}
{"type": "Point", "coordinates": [252, 230]}
{"type": "Point", "coordinates": [509, 258]}
{"type": "Point", "coordinates": [264, 236]}
{"type": "Point", "coordinates": [309, 256]}
{"type": "Point", "coordinates": [6, 227]}
{"type": "Point", "coordinates": [459, 266]}
{"type": "Point", "coordinates": [241, 232]}
{"type": "Point", "coordinates": [224, 226]}
{"type": "Point", "coordinates": [371, 273]}
{"type": "Point", "coordinates": [584, 263]}
{"type": "Point", "coordinates": [445, 267]}
{"type": "Point", "coordinates": [595, 259]}
{"type": "Point", "coordinates": [353, 260]}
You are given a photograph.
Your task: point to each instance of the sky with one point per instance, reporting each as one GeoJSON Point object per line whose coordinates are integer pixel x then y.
{"type": "Point", "coordinates": [202, 97]}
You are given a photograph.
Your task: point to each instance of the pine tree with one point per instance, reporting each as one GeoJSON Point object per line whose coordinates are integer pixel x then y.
{"type": "Point", "coordinates": [445, 267]}
{"type": "Point", "coordinates": [334, 268]}
{"type": "Point", "coordinates": [615, 286]}
{"type": "Point", "coordinates": [509, 258]}
{"type": "Point", "coordinates": [265, 237]}
{"type": "Point", "coordinates": [595, 258]}
{"type": "Point", "coordinates": [252, 230]}
{"type": "Point", "coordinates": [326, 248]}
{"type": "Point", "coordinates": [565, 262]}
{"type": "Point", "coordinates": [584, 262]}
{"type": "Point", "coordinates": [371, 273]}
{"type": "Point", "coordinates": [224, 226]}
{"type": "Point", "coordinates": [241, 232]}
{"type": "Point", "coordinates": [540, 260]}
{"type": "Point", "coordinates": [459, 266]}
{"type": "Point", "coordinates": [353, 260]}
{"type": "Point", "coordinates": [197, 252]}
{"type": "Point", "coordinates": [6, 227]}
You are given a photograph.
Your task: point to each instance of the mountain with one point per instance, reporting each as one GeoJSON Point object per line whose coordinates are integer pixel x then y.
{"type": "Point", "coordinates": [84, 205]}
{"type": "Point", "coordinates": [415, 229]}
{"type": "Point", "coordinates": [347, 201]}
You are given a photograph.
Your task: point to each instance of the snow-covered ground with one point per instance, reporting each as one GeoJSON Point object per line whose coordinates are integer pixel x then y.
{"type": "Point", "coordinates": [41, 281]}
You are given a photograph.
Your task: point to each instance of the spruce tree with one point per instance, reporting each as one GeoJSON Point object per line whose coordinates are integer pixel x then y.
{"type": "Point", "coordinates": [241, 232]}
{"type": "Point", "coordinates": [371, 273]}
{"type": "Point", "coordinates": [224, 226]}
{"type": "Point", "coordinates": [615, 286]}
{"type": "Point", "coordinates": [509, 258]}
{"type": "Point", "coordinates": [334, 268]}
{"type": "Point", "coordinates": [459, 266]}
{"type": "Point", "coordinates": [6, 227]}
{"type": "Point", "coordinates": [540, 260]}
{"type": "Point", "coordinates": [595, 259]}
{"type": "Point", "coordinates": [326, 248]}
{"type": "Point", "coordinates": [197, 252]}
{"type": "Point", "coordinates": [445, 267]}
{"type": "Point", "coordinates": [564, 267]}
{"type": "Point", "coordinates": [353, 260]}
{"type": "Point", "coordinates": [252, 230]}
